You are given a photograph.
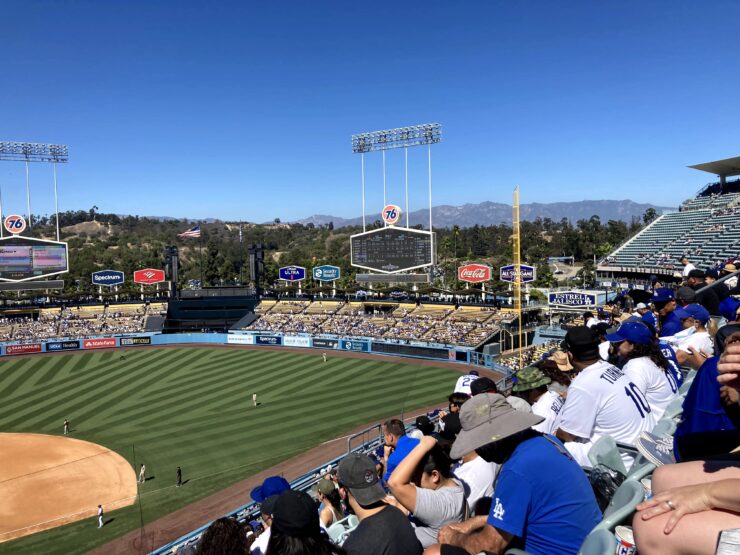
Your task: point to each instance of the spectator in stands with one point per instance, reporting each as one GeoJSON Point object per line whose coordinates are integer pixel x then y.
{"type": "Point", "coordinates": [589, 319]}
{"type": "Point", "coordinates": [449, 422]}
{"type": "Point", "coordinates": [438, 500]}
{"type": "Point", "coordinates": [710, 276]}
{"type": "Point", "coordinates": [707, 298]}
{"type": "Point", "coordinates": [560, 380]}
{"type": "Point", "coordinates": [267, 508]}
{"type": "Point", "coordinates": [532, 384]}
{"type": "Point", "coordinates": [476, 475]}
{"type": "Point", "coordinates": [542, 503]}
{"type": "Point", "coordinates": [483, 385]}
{"type": "Point", "coordinates": [601, 400]}
{"type": "Point", "coordinates": [728, 269]}
{"type": "Point", "coordinates": [646, 314]}
{"type": "Point", "coordinates": [695, 319]}
{"type": "Point", "coordinates": [266, 494]}
{"type": "Point", "coordinates": [645, 365]}
{"type": "Point", "coordinates": [397, 445]}
{"type": "Point", "coordinates": [463, 382]}
{"type": "Point", "coordinates": [687, 266]}
{"type": "Point", "coordinates": [331, 510]}
{"type": "Point", "coordinates": [224, 535]}
{"type": "Point", "coordinates": [665, 304]}
{"type": "Point", "coordinates": [296, 529]}
{"type": "Point", "coordinates": [383, 528]}
{"type": "Point", "coordinates": [604, 345]}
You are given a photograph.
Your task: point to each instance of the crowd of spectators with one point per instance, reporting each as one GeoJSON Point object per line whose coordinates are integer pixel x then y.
{"type": "Point", "coordinates": [73, 323]}
{"type": "Point", "coordinates": [406, 322]}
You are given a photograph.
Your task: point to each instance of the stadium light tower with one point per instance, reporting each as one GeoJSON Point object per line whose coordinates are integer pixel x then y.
{"type": "Point", "coordinates": [401, 137]}
{"type": "Point", "coordinates": [33, 152]}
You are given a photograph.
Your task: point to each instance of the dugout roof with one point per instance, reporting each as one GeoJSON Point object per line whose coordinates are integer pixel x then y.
{"type": "Point", "coordinates": [723, 168]}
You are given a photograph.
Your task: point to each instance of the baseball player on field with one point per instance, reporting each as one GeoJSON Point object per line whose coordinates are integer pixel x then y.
{"type": "Point", "coordinates": [100, 516]}
{"type": "Point", "coordinates": [66, 426]}
{"type": "Point", "coordinates": [142, 474]}
{"type": "Point", "coordinates": [254, 399]}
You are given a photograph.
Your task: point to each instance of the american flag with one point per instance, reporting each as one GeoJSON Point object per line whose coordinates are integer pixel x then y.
{"type": "Point", "coordinates": [192, 232]}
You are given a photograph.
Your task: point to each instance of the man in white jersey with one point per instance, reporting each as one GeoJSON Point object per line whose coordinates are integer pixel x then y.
{"type": "Point", "coordinates": [695, 317]}
{"type": "Point", "coordinates": [601, 401]}
{"type": "Point", "coordinates": [644, 364]}
{"type": "Point", "coordinates": [531, 383]}
{"type": "Point", "coordinates": [463, 382]}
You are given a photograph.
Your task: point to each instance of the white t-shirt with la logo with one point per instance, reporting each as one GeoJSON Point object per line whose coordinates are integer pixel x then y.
{"type": "Point", "coordinates": [658, 386]}
{"type": "Point", "coordinates": [548, 406]}
{"type": "Point", "coordinates": [602, 401]}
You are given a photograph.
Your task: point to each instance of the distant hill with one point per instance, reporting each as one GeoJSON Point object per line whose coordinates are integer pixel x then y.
{"type": "Point", "coordinates": [494, 213]}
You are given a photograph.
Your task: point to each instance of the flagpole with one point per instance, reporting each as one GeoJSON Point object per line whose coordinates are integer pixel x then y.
{"type": "Point", "coordinates": [200, 249]}
{"type": "Point", "coordinates": [241, 262]}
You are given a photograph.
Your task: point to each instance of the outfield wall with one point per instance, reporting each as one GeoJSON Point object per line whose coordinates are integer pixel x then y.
{"type": "Point", "coordinates": [428, 351]}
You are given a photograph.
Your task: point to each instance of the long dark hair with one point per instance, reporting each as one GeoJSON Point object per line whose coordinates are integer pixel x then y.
{"type": "Point", "coordinates": [335, 500]}
{"type": "Point", "coordinates": [224, 535]}
{"type": "Point", "coordinates": [651, 351]}
{"type": "Point", "coordinates": [319, 544]}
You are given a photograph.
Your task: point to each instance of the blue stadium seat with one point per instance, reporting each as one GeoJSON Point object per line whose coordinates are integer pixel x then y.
{"type": "Point", "coordinates": [598, 542]}
{"type": "Point", "coordinates": [622, 505]}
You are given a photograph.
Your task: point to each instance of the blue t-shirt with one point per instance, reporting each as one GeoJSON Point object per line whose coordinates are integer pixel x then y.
{"type": "Point", "coordinates": [671, 325]}
{"type": "Point", "coordinates": [543, 497]}
{"type": "Point", "coordinates": [404, 446]}
{"type": "Point", "coordinates": [670, 354]}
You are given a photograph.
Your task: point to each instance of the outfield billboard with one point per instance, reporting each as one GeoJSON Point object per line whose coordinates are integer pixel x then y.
{"type": "Point", "coordinates": [292, 273]}
{"type": "Point", "coordinates": [508, 273]}
{"type": "Point", "coordinates": [326, 273]}
{"type": "Point", "coordinates": [102, 343]}
{"type": "Point", "coordinates": [62, 345]}
{"type": "Point", "coordinates": [268, 340]}
{"type": "Point", "coordinates": [240, 339]}
{"type": "Point", "coordinates": [23, 348]}
{"type": "Point", "coordinates": [296, 341]}
{"type": "Point", "coordinates": [134, 341]}
{"type": "Point", "coordinates": [321, 343]}
{"type": "Point", "coordinates": [352, 345]}
{"type": "Point", "coordinates": [148, 276]}
{"type": "Point", "coordinates": [109, 278]}
{"type": "Point", "coordinates": [571, 299]}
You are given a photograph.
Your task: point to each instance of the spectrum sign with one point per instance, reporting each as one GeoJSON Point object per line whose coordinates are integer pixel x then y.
{"type": "Point", "coordinates": [108, 278]}
{"type": "Point", "coordinates": [474, 273]}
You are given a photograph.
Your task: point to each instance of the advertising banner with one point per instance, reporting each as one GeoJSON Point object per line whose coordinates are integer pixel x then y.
{"type": "Point", "coordinates": [108, 278]}
{"type": "Point", "coordinates": [508, 273]}
{"type": "Point", "coordinates": [234, 339]}
{"type": "Point", "coordinates": [296, 341]}
{"type": "Point", "coordinates": [62, 345]}
{"type": "Point", "coordinates": [349, 345]}
{"type": "Point", "coordinates": [148, 276]}
{"type": "Point", "coordinates": [268, 340]}
{"type": "Point", "coordinates": [133, 341]}
{"type": "Point", "coordinates": [103, 343]}
{"type": "Point", "coordinates": [23, 348]}
{"type": "Point", "coordinates": [474, 273]}
{"type": "Point", "coordinates": [321, 343]}
{"type": "Point", "coordinates": [293, 273]}
{"type": "Point", "coordinates": [571, 299]}
{"type": "Point", "coordinates": [327, 273]}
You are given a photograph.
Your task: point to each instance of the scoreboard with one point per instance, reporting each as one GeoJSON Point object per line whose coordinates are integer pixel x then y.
{"type": "Point", "coordinates": [391, 249]}
{"type": "Point", "coordinates": [26, 258]}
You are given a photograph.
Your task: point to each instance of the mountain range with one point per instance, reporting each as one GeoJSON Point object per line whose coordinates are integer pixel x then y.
{"type": "Point", "coordinates": [494, 213]}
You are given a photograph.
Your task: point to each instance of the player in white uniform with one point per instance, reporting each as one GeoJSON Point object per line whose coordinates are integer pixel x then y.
{"type": "Point", "coordinates": [645, 365]}
{"type": "Point", "coordinates": [100, 516]}
{"type": "Point", "coordinates": [531, 382]}
{"type": "Point", "coordinates": [463, 382]}
{"type": "Point", "coordinates": [602, 401]}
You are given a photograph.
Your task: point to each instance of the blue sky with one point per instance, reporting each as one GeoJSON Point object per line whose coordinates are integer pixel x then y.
{"type": "Point", "coordinates": [244, 110]}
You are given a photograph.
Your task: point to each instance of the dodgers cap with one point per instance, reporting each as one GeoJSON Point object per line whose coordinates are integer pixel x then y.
{"type": "Point", "coordinates": [634, 332]}
{"type": "Point", "coordinates": [662, 294]}
{"type": "Point", "coordinates": [274, 485]}
{"type": "Point", "coordinates": [581, 341]}
{"type": "Point", "coordinates": [698, 312]}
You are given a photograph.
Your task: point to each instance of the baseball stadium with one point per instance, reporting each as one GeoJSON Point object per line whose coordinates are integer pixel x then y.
{"type": "Point", "coordinates": [553, 376]}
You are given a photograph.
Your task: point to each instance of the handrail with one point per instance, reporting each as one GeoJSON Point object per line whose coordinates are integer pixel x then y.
{"type": "Point", "coordinates": [362, 433]}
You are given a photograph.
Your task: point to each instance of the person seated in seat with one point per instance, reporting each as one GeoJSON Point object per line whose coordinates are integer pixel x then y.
{"type": "Point", "coordinates": [383, 529]}
{"type": "Point", "coordinates": [542, 501]}
{"type": "Point", "coordinates": [423, 484]}
{"type": "Point", "coordinates": [396, 445]}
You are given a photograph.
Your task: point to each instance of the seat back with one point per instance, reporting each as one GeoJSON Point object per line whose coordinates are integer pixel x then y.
{"type": "Point", "coordinates": [598, 542]}
{"type": "Point", "coordinates": [622, 505]}
{"type": "Point", "coordinates": [605, 452]}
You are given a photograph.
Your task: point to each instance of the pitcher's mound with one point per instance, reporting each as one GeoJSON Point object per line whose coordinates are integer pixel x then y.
{"type": "Point", "coordinates": [47, 481]}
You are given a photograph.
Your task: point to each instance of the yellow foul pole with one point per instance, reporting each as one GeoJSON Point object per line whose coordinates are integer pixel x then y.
{"type": "Point", "coordinates": [518, 271]}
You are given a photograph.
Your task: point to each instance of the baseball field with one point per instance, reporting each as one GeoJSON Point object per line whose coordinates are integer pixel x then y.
{"type": "Point", "coordinates": [189, 407]}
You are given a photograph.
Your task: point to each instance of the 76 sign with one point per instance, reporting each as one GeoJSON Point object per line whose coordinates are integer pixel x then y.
{"type": "Point", "coordinates": [391, 214]}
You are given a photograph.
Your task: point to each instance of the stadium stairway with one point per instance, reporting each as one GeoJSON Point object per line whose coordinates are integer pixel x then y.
{"type": "Point", "coordinates": [154, 323]}
{"type": "Point", "coordinates": [244, 322]}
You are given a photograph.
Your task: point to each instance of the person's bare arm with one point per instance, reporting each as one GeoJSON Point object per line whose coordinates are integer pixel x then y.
{"type": "Point", "coordinates": [400, 481]}
{"type": "Point", "coordinates": [486, 538]}
{"type": "Point", "coordinates": [564, 436]}
{"type": "Point", "coordinates": [464, 527]}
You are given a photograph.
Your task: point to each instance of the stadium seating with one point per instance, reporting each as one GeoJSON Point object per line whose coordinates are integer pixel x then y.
{"type": "Point", "coordinates": [705, 230]}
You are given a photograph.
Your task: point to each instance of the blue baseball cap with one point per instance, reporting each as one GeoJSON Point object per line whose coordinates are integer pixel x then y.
{"type": "Point", "coordinates": [634, 332]}
{"type": "Point", "coordinates": [681, 313]}
{"type": "Point", "coordinates": [663, 294]}
{"type": "Point", "coordinates": [697, 312]}
{"type": "Point", "coordinates": [274, 485]}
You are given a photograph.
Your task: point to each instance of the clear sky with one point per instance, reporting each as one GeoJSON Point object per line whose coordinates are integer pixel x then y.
{"type": "Point", "coordinates": [244, 110]}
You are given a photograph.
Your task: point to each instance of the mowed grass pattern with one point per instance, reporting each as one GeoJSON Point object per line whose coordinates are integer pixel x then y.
{"type": "Point", "coordinates": [192, 407]}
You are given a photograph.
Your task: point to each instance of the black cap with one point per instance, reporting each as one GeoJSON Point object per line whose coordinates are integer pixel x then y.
{"type": "Point", "coordinates": [696, 273]}
{"type": "Point", "coordinates": [686, 295]}
{"type": "Point", "coordinates": [483, 385]}
{"type": "Point", "coordinates": [296, 514]}
{"type": "Point", "coordinates": [581, 341]}
{"type": "Point", "coordinates": [357, 473]}
{"type": "Point", "coordinates": [267, 507]}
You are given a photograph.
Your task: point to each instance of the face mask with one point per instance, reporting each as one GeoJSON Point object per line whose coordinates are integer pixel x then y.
{"type": "Point", "coordinates": [490, 453]}
{"type": "Point", "coordinates": [685, 333]}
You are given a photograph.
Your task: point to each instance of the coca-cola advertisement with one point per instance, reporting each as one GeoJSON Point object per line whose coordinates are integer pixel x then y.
{"type": "Point", "coordinates": [474, 273]}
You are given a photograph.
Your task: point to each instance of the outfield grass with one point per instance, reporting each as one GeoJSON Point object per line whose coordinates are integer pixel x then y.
{"type": "Point", "coordinates": [192, 407]}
